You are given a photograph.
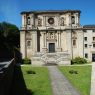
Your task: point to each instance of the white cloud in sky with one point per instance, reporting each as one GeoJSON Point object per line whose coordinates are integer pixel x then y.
{"type": "Point", "coordinates": [9, 9]}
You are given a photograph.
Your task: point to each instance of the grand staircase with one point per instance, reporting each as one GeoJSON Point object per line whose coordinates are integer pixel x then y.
{"type": "Point", "coordinates": [58, 58]}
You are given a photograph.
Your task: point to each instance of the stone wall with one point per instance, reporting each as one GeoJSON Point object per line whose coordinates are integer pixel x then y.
{"type": "Point", "coordinates": [6, 75]}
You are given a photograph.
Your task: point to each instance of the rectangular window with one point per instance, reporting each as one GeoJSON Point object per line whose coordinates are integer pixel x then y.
{"type": "Point", "coordinates": [86, 55]}
{"type": "Point", "coordinates": [85, 31]}
{"type": "Point", "coordinates": [94, 45]}
{"type": "Point", "coordinates": [85, 45]}
{"type": "Point", "coordinates": [93, 38]}
{"type": "Point", "coordinates": [85, 38]}
{"type": "Point", "coordinates": [93, 30]}
{"type": "Point", "coordinates": [28, 43]}
{"type": "Point", "coordinates": [74, 42]}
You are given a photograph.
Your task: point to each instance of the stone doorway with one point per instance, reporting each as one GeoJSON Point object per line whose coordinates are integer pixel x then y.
{"type": "Point", "coordinates": [93, 57]}
{"type": "Point", "coordinates": [51, 47]}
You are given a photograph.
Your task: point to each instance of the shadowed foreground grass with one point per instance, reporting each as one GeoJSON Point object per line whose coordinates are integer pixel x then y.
{"type": "Point", "coordinates": [31, 84]}
{"type": "Point", "coordinates": [82, 80]}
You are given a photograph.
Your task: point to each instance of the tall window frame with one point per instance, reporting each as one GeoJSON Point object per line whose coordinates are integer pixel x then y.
{"type": "Point", "coordinates": [85, 38]}
{"type": "Point", "coordinates": [85, 45]}
{"type": "Point", "coordinates": [86, 55]}
{"type": "Point", "coordinates": [74, 42]}
{"type": "Point", "coordinates": [28, 43]}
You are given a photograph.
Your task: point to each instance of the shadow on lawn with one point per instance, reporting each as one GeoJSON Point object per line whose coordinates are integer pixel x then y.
{"type": "Point", "coordinates": [18, 85]}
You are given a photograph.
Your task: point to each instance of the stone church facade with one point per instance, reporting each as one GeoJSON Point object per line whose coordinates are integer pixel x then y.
{"type": "Point", "coordinates": [54, 37]}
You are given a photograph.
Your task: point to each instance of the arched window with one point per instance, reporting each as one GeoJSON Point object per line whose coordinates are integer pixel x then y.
{"type": "Point", "coordinates": [29, 21]}
{"type": "Point", "coordinates": [73, 20]}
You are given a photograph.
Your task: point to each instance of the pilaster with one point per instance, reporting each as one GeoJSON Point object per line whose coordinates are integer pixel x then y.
{"type": "Point", "coordinates": [80, 43]}
{"type": "Point", "coordinates": [23, 44]}
{"type": "Point", "coordinates": [69, 42]}
{"type": "Point", "coordinates": [34, 42]}
{"type": "Point", "coordinates": [59, 41]}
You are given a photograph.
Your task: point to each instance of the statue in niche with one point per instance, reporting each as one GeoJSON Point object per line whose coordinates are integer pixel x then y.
{"type": "Point", "coordinates": [62, 21]}
{"type": "Point", "coordinates": [39, 22]}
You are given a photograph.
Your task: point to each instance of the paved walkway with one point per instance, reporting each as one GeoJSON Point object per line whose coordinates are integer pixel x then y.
{"type": "Point", "coordinates": [92, 91]}
{"type": "Point", "coordinates": [60, 84]}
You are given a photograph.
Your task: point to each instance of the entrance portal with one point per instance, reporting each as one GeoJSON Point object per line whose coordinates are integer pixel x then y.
{"type": "Point", "coordinates": [51, 47]}
{"type": "Point", "coordinates": [93, 57]}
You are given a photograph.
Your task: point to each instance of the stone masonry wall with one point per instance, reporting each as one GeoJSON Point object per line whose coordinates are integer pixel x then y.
{"type": "Point", "coordinates": [6, 76]}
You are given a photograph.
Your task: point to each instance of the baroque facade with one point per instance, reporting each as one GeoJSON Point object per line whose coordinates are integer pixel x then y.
{"type": "Point", "coordinates": [54, 36]}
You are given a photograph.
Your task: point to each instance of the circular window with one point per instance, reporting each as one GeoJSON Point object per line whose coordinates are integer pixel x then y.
{"type": "Point", "coordinates": [50, 20]}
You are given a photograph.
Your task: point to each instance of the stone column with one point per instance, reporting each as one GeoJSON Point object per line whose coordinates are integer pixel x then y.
{"type": "Point", "coordinates": [58, 20]}
{"type": "Point", "coordinates": [44, 21]}
{"type": "Point", "coordinates": [45, 41]}
{"type": "Point", "coordinates": [77, 19]}
{"type": "Point", "coordinates": [32, 20]}
{"type": "Point", "coordinates": [23, 44]}
{"type": "Point", "coordinates": [80, 43]}
{"type": "Point", "coordinates": [70, 20]}
{"type": "Point", "coordinates": [69, 42]}
{"type": "Point", "coordinates": [57, 40]}
{"type": "Point", "coordinates": [34, 42]}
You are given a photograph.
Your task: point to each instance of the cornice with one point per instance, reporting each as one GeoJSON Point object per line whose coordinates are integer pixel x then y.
{"type": "Point", "coordinates": [49, 11]}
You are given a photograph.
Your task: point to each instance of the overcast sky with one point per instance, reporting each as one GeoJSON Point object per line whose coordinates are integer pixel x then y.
{"type": "Point", "coordinates": [10, 9]}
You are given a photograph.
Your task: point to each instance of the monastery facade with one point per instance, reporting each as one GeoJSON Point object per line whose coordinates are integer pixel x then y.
{"type": "Point", "coordinates": [55, 36]}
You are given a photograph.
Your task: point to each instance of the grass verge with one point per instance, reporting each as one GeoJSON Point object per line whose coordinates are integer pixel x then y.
{"type": "Point", "coordinates": [31, 84]}
{"type": "Point", "coordinates": [83, 64]}
{"type": "Point", "coordinates": [82, 80]}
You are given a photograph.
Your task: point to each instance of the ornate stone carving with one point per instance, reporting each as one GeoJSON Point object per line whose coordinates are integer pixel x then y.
{"type": "Point", "coordinates": [74, 35]}
{"type": "Point", "coordinates": [39, 22]}
{"type": "Point", "coordinates": [28, 36]}
{"type": "Point", "coordinates": [51, 36]}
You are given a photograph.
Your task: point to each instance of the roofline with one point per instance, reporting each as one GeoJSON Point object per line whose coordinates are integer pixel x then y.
{"type": "Point", "coordinates": [89, 28]}
{"type": "Point", "coordinates": [50, 11]}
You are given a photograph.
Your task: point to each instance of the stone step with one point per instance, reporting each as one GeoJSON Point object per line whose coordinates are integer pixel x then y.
{"type": "Point", "coordinates": [50, 64]}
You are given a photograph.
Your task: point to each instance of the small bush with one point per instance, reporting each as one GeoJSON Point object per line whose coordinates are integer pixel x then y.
{"type": "Point", "coordinates": [30, 72]}
{"type": "Point", "coordinates": [78, 60]}
{"type": "Point", "coordinates": [26, 61]}
{"type": "Point", "coordinates": [73, 72]}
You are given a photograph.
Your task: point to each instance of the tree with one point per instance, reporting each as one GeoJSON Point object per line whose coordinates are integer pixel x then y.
{"type": "Point", "coordinates": [9, 36]}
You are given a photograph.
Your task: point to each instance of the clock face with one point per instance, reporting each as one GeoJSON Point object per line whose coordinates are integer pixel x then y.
{"type": "Point", "coordinates": [50, 20]}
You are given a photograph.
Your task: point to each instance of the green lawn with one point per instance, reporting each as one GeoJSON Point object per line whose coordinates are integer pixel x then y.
{"type": "Point", "coordinates": [31, 84]}
{"type": "Point", "coordinates": [82, 80]}
{"type": "Point", "coordinates": [83, 64]}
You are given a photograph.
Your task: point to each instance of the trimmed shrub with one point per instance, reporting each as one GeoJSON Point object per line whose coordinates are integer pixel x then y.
{"type": "Point", "coordinates": [78, 60]}
{"type": "Point", "coordinates": [30, 72]}
{"type": "Point", "coordinates": [26, 61]}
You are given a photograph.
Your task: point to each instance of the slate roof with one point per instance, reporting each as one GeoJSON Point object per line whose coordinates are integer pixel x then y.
{"type": "Point", "coordinates": [89, 26]}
